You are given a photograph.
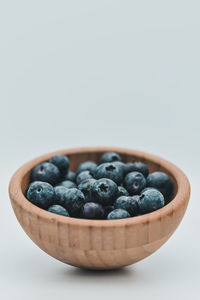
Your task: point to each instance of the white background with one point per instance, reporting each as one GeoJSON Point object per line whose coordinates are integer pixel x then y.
{"type": "Point", "coordinates": [114, 73]}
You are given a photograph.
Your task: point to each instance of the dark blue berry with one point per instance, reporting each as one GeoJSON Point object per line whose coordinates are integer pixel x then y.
{"type": "Point", "coordinates": [40, 193]}
{"type": "Point", "coordinates": [86, 188]}
{"type": "Point", "coordinates": [46, 172]}
{"type": "Point", "coordinates": [59, 210]}
{"type": "Point", "coordinates": [110, 157]}
{"type": "Point", "coordinates": [93, 210]}
{"type": "Point", "coordinates": [83, 176]}
{"type": "Point", "coordinates": [134, 182]}
{"type": "Point", "coordinates": [70, 176]}
{"type": "Point", "coordinates": [59, 192]}
{"type": "Point", "coordinates": [146, 189]}
{"type": "Point", "coordinates": [162, 182]}
{"type": "Point", "coordinates": [128, 167]}
{"type": "Point", "coordinates": [122, 191]}
{"type": "Point", "coordinates": [118, 214]}
{"type": "Point", "coordinates": [107, 210]}
{"type": "Point", "coordinates": [129, 204]}
{"type": "Point", "coordinates": [87, 166]}
{"type": "Point", "coordinates": [150, 200]}
{"type": "Point", "coordinates": [111, 171]}
{"type": "Point", "coordinates": [73, 201]}
{"type": "Point", "coordinates": [68, 184]}
{"type": "Point", "coordinates": [121, 165]}
{"type": "Point", "coordinates": [137, 166]}
{"type": "Point", "coordinates": [60, 161]}
{"type": "Point", "coordinates": [104, 191]}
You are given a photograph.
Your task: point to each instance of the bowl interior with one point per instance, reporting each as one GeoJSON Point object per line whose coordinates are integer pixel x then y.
{"type": "Point", "coordinates": [82, 155]}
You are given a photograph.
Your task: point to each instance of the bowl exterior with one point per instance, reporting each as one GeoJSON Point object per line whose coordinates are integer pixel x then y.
{"type": "Point", "coordinates": [99, 244]}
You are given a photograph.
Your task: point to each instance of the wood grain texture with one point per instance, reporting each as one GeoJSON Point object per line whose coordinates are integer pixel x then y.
{"type": "Point", "coordinates": [100, 244]}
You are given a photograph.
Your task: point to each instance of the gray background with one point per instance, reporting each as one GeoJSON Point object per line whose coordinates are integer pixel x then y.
{"type": "Point", "coordinates": [115, 73]}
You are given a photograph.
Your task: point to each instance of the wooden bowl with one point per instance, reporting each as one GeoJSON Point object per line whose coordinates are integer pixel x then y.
{"type": "Point", "coordinates": [100, 244]}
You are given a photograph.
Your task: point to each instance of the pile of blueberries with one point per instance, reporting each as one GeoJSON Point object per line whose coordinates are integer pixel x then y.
{"type": "Point", "coordinates": [110, 190]}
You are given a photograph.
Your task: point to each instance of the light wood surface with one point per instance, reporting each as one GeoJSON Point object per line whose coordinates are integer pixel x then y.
{"type": "Point", "coordinates": [100, 244]}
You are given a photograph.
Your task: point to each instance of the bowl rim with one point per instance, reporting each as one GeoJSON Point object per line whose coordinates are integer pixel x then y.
{"type": "Point", "coordinates": [181, 198]}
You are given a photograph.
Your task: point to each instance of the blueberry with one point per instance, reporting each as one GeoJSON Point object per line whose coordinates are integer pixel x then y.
{"type": "Point", "coordinates": [137, 166]}
{"type": "Point", "coordinates": [86, 188]}
{"type": "Point", "coordinates": [87, 166]}
{"type": "Point", "coordinates": [121, 165]}
{"type": "Point", "coordinates": [104, 191]}
{"type": "Point", "coordinates": [92, 210]}
{"type": "Point", "coordinates": [150, 200]}
{"type": "Point", "coordinates": [59, 210]}
{"type": "Point", "coordinates": [40, 193]}
{"type": "Point", "coordinates": [46, 172]}
{"type": "Point", "coordinates": [162, 182]}
{"type": "Point", "coordinates": [130, 204]}
{"type": "Point", "coordinates": [111, 171]}
{"type": "Point", "coordinates": [128, 167]}
{"type": "Point", "coordinates": [107, 210]}
{"type": "Point", "coordinates": [83, 176]}
{"type": "Point", "coordinates": [122, 191]}
{"type": "Point", "coordinates": [73, 201]}
{"type": "Point", "coordinates": [110, 157]}
{"type": "Point", "coordinates": [68, 184]}
{"type": "Point", "coordinates": [134, 182]}
{"type": "Point", "coordinates": [118, 214]}
{"type": "Point", "coordinates": [59, 192]}
{"type": "Point", "coordinates": [147, 188]}
{"type": "Point", "coordinates": [60, 161]}
{"type": "Point", "coordinates": [70, 175]}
